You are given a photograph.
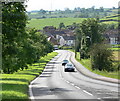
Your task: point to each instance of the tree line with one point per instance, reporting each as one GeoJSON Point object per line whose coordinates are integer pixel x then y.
{"type": "Point", "coordinates": [77, 12]}
{"type": "Point", "coordinates": [90, 44]}
{"type": "Point", "coordinates": [21, 46]}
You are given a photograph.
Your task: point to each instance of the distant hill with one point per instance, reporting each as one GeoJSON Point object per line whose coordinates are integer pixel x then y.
{"type": "Point", "coordinates": [76, 13]}
{"type": "Point", "coordinates": [111, 19]}
{"type": "Point", "coordinates": [40, 23]}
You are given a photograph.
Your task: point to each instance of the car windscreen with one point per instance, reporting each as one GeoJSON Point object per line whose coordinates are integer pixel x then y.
{"type": "Point", "coordinates": [70, 65]}
{"type": "Point", "coordinates": [65, 60]}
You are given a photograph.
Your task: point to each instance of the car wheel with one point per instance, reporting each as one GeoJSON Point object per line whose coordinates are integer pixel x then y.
{"type": "Point", "coordinates": [65, 70]}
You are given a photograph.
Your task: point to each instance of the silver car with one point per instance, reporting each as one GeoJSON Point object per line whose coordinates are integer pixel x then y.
{"type": "Point", "coordinates": [69, 67]}
{"type": "Point", "coordinates": [64, 62]}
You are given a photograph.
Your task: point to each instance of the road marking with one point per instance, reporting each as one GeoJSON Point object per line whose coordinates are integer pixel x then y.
{"type": "Point", "coordinates": [30, 92]}
{"type": "Point", "coordinates": [87, 92]}
{"type": "Point", "coordinates": [99, 99]}
{"type": "Point", "coordinates": [77, 87]}
{"type": "Point", "coordinates": [72, 84]}
{"type": "Point", "coordinates": [32, 98]}
{"type": "Point", "coordinates": [30, 89]}
{"type": "Point", "coordinates": [109, 97]}
{"type": "Point", "coordinates": [67, 81]}
{"type": "Point", "coordinates": [114, 91]}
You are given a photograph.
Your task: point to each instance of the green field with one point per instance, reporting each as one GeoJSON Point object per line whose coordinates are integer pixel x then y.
{"type": "Point", "coordinates": [112, 17]}
{"type": "Point", "coordinates": [15, 86]}
{"type": "Point", "coordinates": [40, 23]}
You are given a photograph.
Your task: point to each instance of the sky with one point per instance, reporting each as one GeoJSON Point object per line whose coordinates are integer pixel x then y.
{"type": "Point", "coordinates": [71, 4]}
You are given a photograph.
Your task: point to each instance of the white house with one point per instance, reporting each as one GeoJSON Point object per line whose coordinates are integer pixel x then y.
{"type": "Point", "coordinates": [112, 36]}
{"type": "Point", "coordinates": [67, 41]}
{"type": "Point", "coordinates": [62, 41]}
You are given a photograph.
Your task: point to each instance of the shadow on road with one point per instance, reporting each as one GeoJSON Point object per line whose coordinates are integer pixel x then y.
{"type": "Point", "coordinates": [53, 62]}
{"type": "Point", "coordinates": [43, 91]}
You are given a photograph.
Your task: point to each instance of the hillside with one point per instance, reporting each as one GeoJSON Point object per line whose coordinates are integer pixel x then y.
{"type": "Point", "coordinates": [54, 19]}
{"type": "Point", "coordinates": [76, 13]}
{"type": "Point", "coordinates": [111, 19]}
{"type": "Point", "coordinates": [40, 23]}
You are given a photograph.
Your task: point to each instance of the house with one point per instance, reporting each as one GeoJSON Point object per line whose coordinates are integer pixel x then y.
{"type": "Point", "coordinates": [63, 37]}
{"type": "Point", "coordinates": [49, 29]}
{"type": "Point", "coordinates": [112, 36]}
{"type": "Point", "coordinates": [67, 41]}
{"type": "Point", "coordinates": [53, 40]}
{"type": "Point", "coordinates": [61, 41]}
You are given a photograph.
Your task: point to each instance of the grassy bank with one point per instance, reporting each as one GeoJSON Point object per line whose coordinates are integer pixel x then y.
{"type": "Point", "coordinates": [87, 63]}
{"type": "Point", "coordinates": [15, 86]}
{"type": "Point", "coordinates": [40, 23]}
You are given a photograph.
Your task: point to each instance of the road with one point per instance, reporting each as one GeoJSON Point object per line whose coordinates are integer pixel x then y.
{"type": "Point", "coordinates": [54, 83]}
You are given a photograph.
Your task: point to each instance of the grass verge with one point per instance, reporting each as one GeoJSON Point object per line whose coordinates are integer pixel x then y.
{"type": "Point", "coordinates": [86, 63]}
{"type": "Point", "coordinates": [15, 86]}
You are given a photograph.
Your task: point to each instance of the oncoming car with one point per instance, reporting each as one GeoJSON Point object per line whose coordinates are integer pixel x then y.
{"type": "Point", "coordinates": [69, 67]}
{"type": "Point", "coordinates": [65, 62]}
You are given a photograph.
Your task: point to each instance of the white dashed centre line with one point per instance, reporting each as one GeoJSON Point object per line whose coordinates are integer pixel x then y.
{"type": "Point", "coordinates": [87, 92]}
{"type": "Point", "coordinates": [72, 84]}
{"type": "Point", "coordinates": [99, 98]}
{"type": "Point", "coordinates": [67, 81]}
{"type": "Point", "coordinates": [77, 87]}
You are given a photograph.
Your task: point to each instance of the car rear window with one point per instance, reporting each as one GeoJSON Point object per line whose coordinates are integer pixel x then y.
{"type": "Point", "coordinates": [65, 60]}
{"type": "Point", "coordinates": [69, 64]}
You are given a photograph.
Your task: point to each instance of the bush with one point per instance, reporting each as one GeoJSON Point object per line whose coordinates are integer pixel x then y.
{"type": "Point", "coordinates": [83, 53]}
{"type": "Point", "coordinates": [101, 57]}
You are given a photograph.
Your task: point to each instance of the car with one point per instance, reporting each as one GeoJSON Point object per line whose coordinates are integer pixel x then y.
{"type": "Point", "coordinates": [69, 67]}
{"type": "Point", "coordinates": [65, 62]}
{"type": "Point", "coordinates": [55, 48]}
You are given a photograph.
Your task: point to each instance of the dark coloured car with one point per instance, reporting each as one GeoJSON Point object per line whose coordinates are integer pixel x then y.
{"type": "Point", "coordinates": [64, 62]}
{"type": "Point", "coordinates": [69, 67]}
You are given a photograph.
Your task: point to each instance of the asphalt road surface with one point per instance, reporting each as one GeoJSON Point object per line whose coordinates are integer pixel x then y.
{"type": "Point", "coordinates": [54, 83]}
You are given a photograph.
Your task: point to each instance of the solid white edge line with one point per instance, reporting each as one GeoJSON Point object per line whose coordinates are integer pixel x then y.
{"type": "Point", "coordinates": [30, 93]}
{"type": "Point", "coordinates": [30, 89]}
{"type": "Point", "coordinates": [87, 92]}
{"type": "Point", "coordinates": [109, 97]}
{"type": "Point", "coordinates": [98, 98]}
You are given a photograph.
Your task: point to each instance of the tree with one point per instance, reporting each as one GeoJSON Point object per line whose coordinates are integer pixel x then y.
{"type": "Point", "coordinates": [67, 10]}
{"type": "Point", "coordinates": [78, 43]}
{"type": "Point", "coordinates": [101, 9]}
{"type": "Point", "coordinates": [21, 46]}
{"type": "Point", "coordinates": [91, 31]}
{"type": "Point", "coordinates": [42, 11]}
{"type": "Point", "coordinates": [13, 29]}
{"type": "Point", "coordinates": [101, 57]}
{"type": "Point", "coordinates": [61, 25]}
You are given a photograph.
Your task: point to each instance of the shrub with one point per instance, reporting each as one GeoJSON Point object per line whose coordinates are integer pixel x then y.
{"type": "Point", "coordinates": [101, 57]}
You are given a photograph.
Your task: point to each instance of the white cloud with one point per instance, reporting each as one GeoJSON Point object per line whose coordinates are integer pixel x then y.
{"type": "Point", "coordinates": [61, 4]}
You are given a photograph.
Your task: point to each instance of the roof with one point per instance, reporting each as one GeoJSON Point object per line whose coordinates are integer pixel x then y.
{"type": "Point", "coordinates": [69, 37]}
{"type": "Point", "coordinates": [112, 33]}
{"type": "Point", "coordinates": [52, 40]}
{"type": "Point", "coordinates": [59, 32]}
